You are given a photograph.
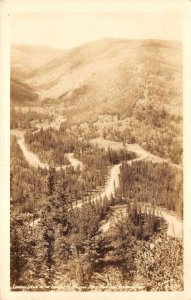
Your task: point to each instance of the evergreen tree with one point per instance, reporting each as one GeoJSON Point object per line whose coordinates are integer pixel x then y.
{"type": "Point", "coordinates": [49, 240]}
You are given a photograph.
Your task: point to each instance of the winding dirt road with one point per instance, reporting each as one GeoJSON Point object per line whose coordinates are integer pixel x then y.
{"type": "Point", "coordinates": [35, 162]}
{"type": "Point", "coordinates": [141, 153]}
{"type": "Point", "coordinates": [31, 157]}
{"type": "Point", "coordinates": [175, 225]}
{"type": "Point", "coordinates": [74, 161]}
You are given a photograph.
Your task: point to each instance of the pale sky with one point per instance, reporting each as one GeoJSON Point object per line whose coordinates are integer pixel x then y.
{"type": "Point", "coordinates": [64, 31]}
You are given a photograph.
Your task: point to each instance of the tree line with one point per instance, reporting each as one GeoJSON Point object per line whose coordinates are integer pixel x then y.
{"type": "Point", "coordinates": [24, 120]}
{"type": "Point", "coordinates": [51, 145]}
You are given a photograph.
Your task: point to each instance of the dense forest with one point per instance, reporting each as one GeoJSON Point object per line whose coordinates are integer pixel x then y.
{"type": "Point", "coordinates": [153, 183]}
{"type": "Point", "coordinates": [57, 216]}
{"type": "Point", "coordinates": [51, 145]}
{"type": "Point", "coordinates": [160, 135]}
{"type": "Point", "coordinates": [66, 247]}
{"type": "Point", "coordinates": [97, 162]}
{"type": "Point", "coordinates": [27, 119]}
{"type": "Point", "coordinates": [153, 127]}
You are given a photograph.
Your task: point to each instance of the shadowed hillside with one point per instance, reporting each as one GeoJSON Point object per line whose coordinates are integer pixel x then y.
{"type": "Point", "coordinates": [22, 93]}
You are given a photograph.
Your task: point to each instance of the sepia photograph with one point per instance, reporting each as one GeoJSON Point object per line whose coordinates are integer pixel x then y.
{"type": "Point", "coordinates": [96, 152]}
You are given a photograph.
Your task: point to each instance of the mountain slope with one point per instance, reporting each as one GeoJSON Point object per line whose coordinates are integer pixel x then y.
{"type": "Point", "coordinates": [25, 58]}
{"type": "Point", "coordinates": [21, 92]}
{"type": "Point", "coordinates": [112, 73]}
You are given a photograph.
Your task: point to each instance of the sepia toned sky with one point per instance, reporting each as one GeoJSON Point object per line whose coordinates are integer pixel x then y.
{"type": "Point", "coordinates": [64, 31]}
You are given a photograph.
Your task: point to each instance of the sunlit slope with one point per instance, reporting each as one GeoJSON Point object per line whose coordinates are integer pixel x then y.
{"type": "Point", "coordinates": [114, 75]}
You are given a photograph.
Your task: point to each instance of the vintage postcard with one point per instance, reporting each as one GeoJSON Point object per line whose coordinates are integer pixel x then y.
{"type": "Point", "coordinates": [95, 124]}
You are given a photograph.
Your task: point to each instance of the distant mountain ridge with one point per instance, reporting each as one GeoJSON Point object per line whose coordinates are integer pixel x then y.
{"type": "Point", "coordinates": [108, 75]}
{"type": "Point", "coordinates": [25, 58]}
{"type": "Point", "coordinates": [112, 71]}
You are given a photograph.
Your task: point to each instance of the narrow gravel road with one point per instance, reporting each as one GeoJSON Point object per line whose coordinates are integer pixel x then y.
{"type": "Point", "coordinates": [35, 162]}
{"type": "Point", "coordinates": [175, 225]}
